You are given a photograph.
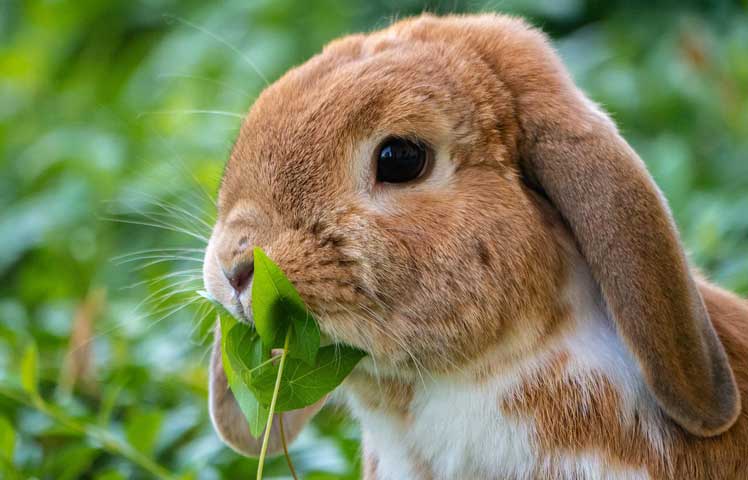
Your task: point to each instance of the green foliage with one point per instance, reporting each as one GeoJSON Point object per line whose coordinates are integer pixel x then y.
{"type": "Point", "coordinates": [251, 369]}
{"type": "Point", "coordinates": [142, 429]}
{"type": "Point", "coordinates": [116, 118]}
{"type": "Point", "coordinates": [277, 306]}
{"type": "Point", "coordinates": [29, 369]}
{"type": "Point", "coordinates": [7, 441]}
{"type": "Point", "coordinates": [304, 384]}
{"type": "Point", "coordinates": [240, 343]}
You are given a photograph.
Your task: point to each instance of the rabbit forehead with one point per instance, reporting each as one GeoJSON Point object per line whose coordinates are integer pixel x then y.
{"type": "Point", "coordinates": [301, 135]}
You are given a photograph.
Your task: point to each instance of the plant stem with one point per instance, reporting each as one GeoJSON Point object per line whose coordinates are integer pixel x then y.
{"type": "Point", "coordinates": [108, 441]}
{"type": "Point", "coordinates": [266, 438]}
{"type": "Point", "coordinates": [269, 360]}
{"type": "Point", "coordinates": [285, 447]}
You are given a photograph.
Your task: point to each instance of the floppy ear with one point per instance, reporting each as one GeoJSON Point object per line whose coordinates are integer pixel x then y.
{"type": "Point", "coordinates": [573, 152]}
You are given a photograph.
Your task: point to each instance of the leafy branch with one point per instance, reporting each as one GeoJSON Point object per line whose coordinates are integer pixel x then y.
{"type": "Point", "coordinates": [29, 396]}
{"type": "Point", "coordinates": [305, 372]}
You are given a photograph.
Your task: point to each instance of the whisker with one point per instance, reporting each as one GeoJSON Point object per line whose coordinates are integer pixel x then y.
{"type": "Point", "coordinates": [225, 85]}
{"type": "Point", "coordinates": [206, 353]}
{"type": "Point", "coordinates": [226, 44]}
{"type": "Point", "coordinates": [199, 323]}
{"type": "Point", "coordinates": [192, 111]}
{"type": "Point", "coordinates": [157, 225]}
{"type": "Point", "coordinates": [173, 208]}
{"type": "Point", "coordinates": [158, 300]}
{"type": "Point", "coordinates": [164, 218]}
{"type": "Point", "coordinates": [157, 250]}
{"type": "Point", "coordinates": [172, 311]}
{"type": "Point", "coordinates": [155, 260]}
{"type": "Point", "coordinates": [180, 164]}
{"type": "Point", "coordinates": [195, 273]}
{"type": "Point", "coordinates": [109, 331]}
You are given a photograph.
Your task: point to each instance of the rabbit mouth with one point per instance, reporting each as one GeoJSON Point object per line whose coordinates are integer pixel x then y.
{"type": "Point", "coordinates": [244, 314]}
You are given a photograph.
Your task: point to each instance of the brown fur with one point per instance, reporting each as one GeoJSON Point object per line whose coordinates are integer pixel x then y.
{"type": "Point", "coordinates": [434, 274]}
{"type": "Point", "coordinates": [567, 423]}
{"type": "Point", "coordinates": [623, 228]}
{"type": "Point", "coordinates": [382, 394]}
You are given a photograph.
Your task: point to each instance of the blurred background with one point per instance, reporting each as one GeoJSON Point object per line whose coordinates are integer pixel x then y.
{"type": "Point", "coordinates": [116, 118]}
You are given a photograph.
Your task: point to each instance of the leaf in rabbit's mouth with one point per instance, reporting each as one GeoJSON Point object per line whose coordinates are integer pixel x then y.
{"type": "Point", "coordinates": [223, 310]}
{"type": "Point", "coordinates": [303, 373]}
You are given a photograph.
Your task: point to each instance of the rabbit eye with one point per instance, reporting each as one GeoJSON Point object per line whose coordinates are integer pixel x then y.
{"type": "Point", "coordinates": [400, 161]}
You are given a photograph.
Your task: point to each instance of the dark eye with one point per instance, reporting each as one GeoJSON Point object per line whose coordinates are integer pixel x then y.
{"type": "Point", "coordinates": [400, 161]}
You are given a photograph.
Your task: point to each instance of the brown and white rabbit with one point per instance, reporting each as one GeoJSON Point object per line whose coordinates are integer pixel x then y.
{"type": "Point", "coordinates": [446, 199]}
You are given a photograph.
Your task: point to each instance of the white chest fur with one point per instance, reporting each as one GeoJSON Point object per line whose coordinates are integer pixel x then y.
{"type": "Point", "coordinates": [456, 429]}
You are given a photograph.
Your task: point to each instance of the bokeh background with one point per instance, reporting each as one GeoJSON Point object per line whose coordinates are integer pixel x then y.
{"type": "Point", "coordinates": [116, 118]}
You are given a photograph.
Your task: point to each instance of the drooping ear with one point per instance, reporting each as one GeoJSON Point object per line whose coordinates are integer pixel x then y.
{"type": "Point", "coordinates": [574, 153]}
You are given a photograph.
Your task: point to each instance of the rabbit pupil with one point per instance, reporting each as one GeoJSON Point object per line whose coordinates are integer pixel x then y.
{"type": "Point", "coordinates": [400, 161]}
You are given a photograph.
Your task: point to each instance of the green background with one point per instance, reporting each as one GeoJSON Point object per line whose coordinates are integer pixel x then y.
{"type": "Point", "coordinates": [116, 118]}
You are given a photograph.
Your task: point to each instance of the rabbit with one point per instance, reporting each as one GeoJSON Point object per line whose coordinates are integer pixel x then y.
{"type": "Point", "coordinates": [446, 199]}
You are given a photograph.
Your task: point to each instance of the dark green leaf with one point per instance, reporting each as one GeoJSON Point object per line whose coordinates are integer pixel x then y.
{"type": "Point", "coordinates": [69, 461]}
{"type": "Point", "coordinates": [29, 373]}
{"type": "Point", "coordinates": [219, 306]}
{"type": "Point", "coordinates": [303, 384]}
{"type": "Point", "coordinates": [233, 335]}
{"type": "Point", "coordinates": [277, 306]}
{"type": "Point", "coordinates": [7, 441]}
{"type": "Point", "coordinates": [305, 338]}
{"type": "Point", "coordinates": [142, 429]}
{"type": "Point", "coordinates": [245, 350]}
{"type": "Point", "coordinates": [110, 475]}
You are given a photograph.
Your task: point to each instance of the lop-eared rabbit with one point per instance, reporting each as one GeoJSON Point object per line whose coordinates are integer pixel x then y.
{"type": "Point", "coordinates": [445, 198]}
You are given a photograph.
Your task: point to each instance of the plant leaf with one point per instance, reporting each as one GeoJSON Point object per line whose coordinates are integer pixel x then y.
{"type": "Point", "coordinates": [29, 366]}
{"type": "Point", "coordinates": [277, 306]}
{"type": "Point", "coordinates": [305, 338]}
{"type": "Point", "coordinates": [7, 440]}
{"type": "Point", "coordinates": [142, 429]}
{"type": "Point", "coordinates": [219, 306]}
{"type": "Point", "coordinates": [233, 336]}
{"type": "Point", "coordinates": [303, 384]}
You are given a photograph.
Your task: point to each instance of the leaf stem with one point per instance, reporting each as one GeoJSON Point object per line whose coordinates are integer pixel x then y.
{"type": "Point", "coordinates": [285, 447]}
{"type": "Point", "coordinates": [266, 362]}
{"type": "Point", "coordinates": [271, 414]}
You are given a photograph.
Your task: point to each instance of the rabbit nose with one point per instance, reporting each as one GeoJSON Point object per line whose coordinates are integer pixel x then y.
{"type": "Point", "coordinates": [240, 275]}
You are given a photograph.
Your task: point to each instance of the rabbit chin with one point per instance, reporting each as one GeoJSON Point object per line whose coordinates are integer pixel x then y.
{"type": "Point", "coordinates": [488, 419]}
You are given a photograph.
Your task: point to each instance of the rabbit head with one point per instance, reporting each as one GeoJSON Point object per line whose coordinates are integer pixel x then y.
{"type": "Point", "coordinates": [409, 182]}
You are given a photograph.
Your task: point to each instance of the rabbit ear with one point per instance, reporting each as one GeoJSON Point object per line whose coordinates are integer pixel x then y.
{"type": "Point", "coordinates": [573, 153]}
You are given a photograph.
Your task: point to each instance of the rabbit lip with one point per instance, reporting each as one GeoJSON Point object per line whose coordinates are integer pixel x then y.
{"type": "Point", "coordinates": [244, 314]}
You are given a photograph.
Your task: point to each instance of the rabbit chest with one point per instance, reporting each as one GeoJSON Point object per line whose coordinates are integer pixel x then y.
{"type": "Point", "coordinates": [574, 410]}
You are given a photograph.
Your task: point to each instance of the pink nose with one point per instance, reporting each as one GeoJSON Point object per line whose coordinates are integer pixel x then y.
{"type": "Point", "coordinates": [240, 275]}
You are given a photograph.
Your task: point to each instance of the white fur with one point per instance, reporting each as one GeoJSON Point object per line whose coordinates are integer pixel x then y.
{"type": "Point", "coordinates": [456, 427]}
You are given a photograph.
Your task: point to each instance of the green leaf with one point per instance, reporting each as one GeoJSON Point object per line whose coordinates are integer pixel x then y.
{"type": "Point", "coordinates": [234, 335]}
{"type": "Point", "coordinates": [142, 429]}
{"type": "Point", "coordinates": [310, 373]}
{"type": "Point", "coordinates": [277, 306]}
{"type": "Point", "coordinates": [29, 366]}
{"type": "Point", "coordinates": [244, 349]}
{"type": "Point", "coordinates": [109, 475]}
{"type": "Point", "coordinates": [219, 306]}
{"type": "Point", "coordinates": [303, 384]}
{"type": "Point", "coordinates": [7, 441]}
{"type": "Point", "coordinates": [69, 462]}
{"type": "Point", "coordinates": [305, 338]}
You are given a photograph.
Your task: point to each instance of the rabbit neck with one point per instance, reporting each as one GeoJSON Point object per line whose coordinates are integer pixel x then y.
{"type": "Point", "coordinates": [501, 424]}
